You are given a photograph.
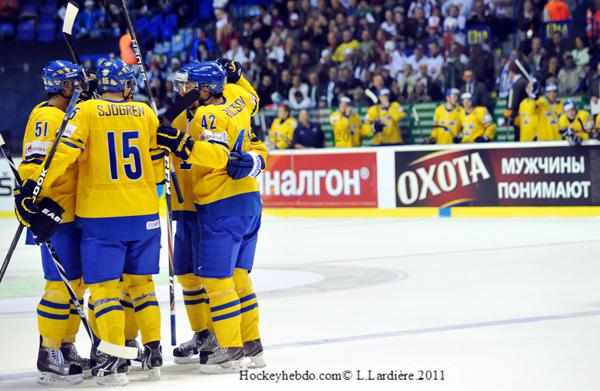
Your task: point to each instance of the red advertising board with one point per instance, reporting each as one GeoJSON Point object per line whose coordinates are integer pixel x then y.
{"type": "Point", "coordinates": [320, 180]}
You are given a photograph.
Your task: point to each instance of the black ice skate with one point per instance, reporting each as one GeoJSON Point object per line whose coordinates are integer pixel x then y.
{"type": "Point", "coordinates": [186, 352]}
{"type": "Point", "coordinates": [223, 360]}
{"type": "Point", "coordinates": [55, 370]}
{"type": "Point", "coordinates": [134, 344]}
{"type": "Point", "coordinates": [152, 360]}
{"type": "Point", "coordinates": [208, 346]}
{"type": "Point", "coordinates": [109, 370]}
{"type": "Point", "coordinates": [71, 355]}
{"type": "Point", "coordinates": [253, 350]}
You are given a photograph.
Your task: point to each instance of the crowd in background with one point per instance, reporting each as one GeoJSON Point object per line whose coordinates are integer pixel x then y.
{"type": "Point", "coordinates": [310, 53]}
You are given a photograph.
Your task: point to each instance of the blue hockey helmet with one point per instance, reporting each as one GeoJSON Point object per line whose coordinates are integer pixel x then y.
{"type": "Point", "coordinates": [182, 75]}
{"type": "Point", "coordinates": [57, 72]}
{"type": "Point", "coordinates": [209, 74]}
{"type": "Point", "coordinates": [114, 75]}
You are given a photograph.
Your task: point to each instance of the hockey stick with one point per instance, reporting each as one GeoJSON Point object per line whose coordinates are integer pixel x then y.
{"type": "Point", "coordinates": [136, 48]}
{"type": "Point", "coordinates": [524, 71]}
{"type": "Point", "coordinates": [70, 15]}
{"type": "Point", "coordinates": [371, 95]}
{"type": "Point", "coordinates": [103, 346]}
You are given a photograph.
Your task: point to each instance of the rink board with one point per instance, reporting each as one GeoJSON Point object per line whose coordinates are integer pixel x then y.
{"type": "Point", "coordinates": [470, 180]}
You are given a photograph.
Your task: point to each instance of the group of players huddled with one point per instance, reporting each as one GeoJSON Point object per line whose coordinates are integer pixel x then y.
{"type": "Point", "coordinates": [540, 118]}
{"type": "Point", "coordinates": [99, 207]}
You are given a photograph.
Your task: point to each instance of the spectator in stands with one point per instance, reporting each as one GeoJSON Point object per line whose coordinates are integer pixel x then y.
{"type": "Point", "coordinates": [348, 84]}
{"type": "Point", "coordinates": [90, 21]}
{"type": "Point", "coordinates": [418, 57]}
{"type": "Point", "coordinates": [266, 90]}
{"type": "Point", "coordinates": [482, 64]}
{"type": "Point", "coordinates": [569, 76]}
{"type": "Point", "coordinates": [237, 53]}
{"type": "Point", "coordinates": [298, 85]}
{"type": "Point", "coordinates": [420, 93]}
{"type": "Point", "coordinates": [556, 11]}
{"type": "Point", "coordinates": [300, 101]}
{"type": "Point", "coordinates": [478, 90]}
{"type": "Point", "coordinates": [417, 26]}
{"type": "Point", "coordinates": [557, 47]}
{"type": "Point", "coordinates": [115, 21]}
{"type": "Point", "coordinates": [581, 54]}
{"type": "Point", "coordinates": [222, 25]}
{"type": "Point", "coordinates": [593, 86]}
{"type": "Point", "coordinates": [202, 46]}
{"type": "Point", "coordinates": [285, 83]}
{"type": "Point", "coordinates": [407, 83]}
{"type": "Point", "coordinates": [454, 20]}
{"type": "Point", "coordinates": [397, 58]}
{"type": "Point", "coordinates": [315, 90]}
{"type": "Point", "coordinates": [276, 51]}
{"type": "Point", "coordinates": [528, 21]}
{"type": "Point", "coordinates": [452, 71]}
{"type": "Point", "coordinates": [537, 56]}
{"type": "Point", "coordinates": [346, 48]}
{"type": "Point", "coordinates": [551, 69]}
{"type": "Point", "coordinates": [435, 62]}
{"type": "Point", "coordinates": [307, 134]}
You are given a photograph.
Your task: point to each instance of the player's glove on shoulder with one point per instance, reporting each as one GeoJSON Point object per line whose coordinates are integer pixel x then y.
{"type": "Point", "coordinates": [25, 207]}
{"type": "Point", "coordinates": [178, 143]}
{"type": "Point", "coordinates": [244, 164]}
{"type": "Point", "coordinates": [232, 67]}
{"type": "Point", "coordinates": [45, 223]}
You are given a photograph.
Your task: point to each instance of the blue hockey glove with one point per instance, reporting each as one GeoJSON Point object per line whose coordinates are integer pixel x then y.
{"type": "Point", "coordinates": [378, 126]}
{"type": "Point", "coordinates": [45, 223]}
{"type": "Point", "coordinates": [25, 208]}
{"type": "Point", "coordinates": [178, 143]}
{"type": "Point", "coordinates": [232, 67]}
{"type": "Point", "coordinates": [244, 164]}
{"type": "Point", "coordinates": [482, 139]}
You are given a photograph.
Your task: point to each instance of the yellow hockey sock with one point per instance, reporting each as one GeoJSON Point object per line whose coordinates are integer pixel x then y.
{"type": "Point", "coordinates": [110, 320]}
{"type": "Point", "coordinates": [74, 318]}
{"type": "Point", "coordinates": [249, 304]}
{"type": "Point", "coordinates": [53, 314]}
{"type": "Point", "coordinates": [224, 310]}
{"type": "Point", "coordinates": [195, 300]}
{"type": "Point", "coordinates": [147, 311]}
{"type": "Point", "coordinates": [131, 326]}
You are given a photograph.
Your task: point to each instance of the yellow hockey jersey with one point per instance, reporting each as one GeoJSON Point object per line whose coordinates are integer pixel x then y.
{"type": "Point", "coordinates": [114, 143]}
{"type": "Point", "coordinates": [39, 136]}
{"type": "Point", "coordinates": [346, 130]}
{"type": "Point", "coordinates": [547, 115]}
{"type": "Point", "coordinates": [477, 123]}
{"type": "Point", "coordinates": [391, 117]}
{"type": "Point", "coordinates": [446, 124]}
{"type": "Point", "coordinates": [527, 120]}
{"type": "Point", "coordinates": [222, 128]}
{"type": "Point", "coordinates": [582, 124]}
{"type": "Point", "coordinates": [282, 132]}
{"type": "Point", "coordinates": [183, 170]}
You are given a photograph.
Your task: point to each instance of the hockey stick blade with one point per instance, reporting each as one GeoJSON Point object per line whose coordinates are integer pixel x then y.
{"type": "Point", "coordinates": [70, 15]}
{"type": "Point", "coordinates": [371, 95]}
{"type": "Point", "coordinates": [2, 142]}
{"type": "Point", "coordinates": [127, 352]}
{"type": "Point", "coordinates": [180, 105]}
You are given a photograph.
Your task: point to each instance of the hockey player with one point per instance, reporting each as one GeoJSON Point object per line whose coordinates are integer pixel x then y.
{"type": "Point", "coordinates": [114, 142]}
{"type": "Point", "coordinates": [446, 119]}
{"type": "Point", "coordinates": [282, 128]}
{"type": "Point", "coordinates": [229, 208]}
{"type": "Point", "coordinates": [549, 109]}
{"type": "Point", "coordinates": [384, 120]}
{"type": "Point", "coordinates": [527, 120]}
{"type": "Point", "coordinates": [477, 124]}
{"type": "Point", "coordinates": [58, 321]}
{"type": "Point", "coordinates": [346, 125]}
{"type": "Point", "coordinates": [575, 125]}
{"type": "Point", "coordinates": [187, 236]}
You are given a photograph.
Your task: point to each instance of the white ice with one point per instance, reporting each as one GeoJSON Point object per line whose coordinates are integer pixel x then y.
{"type": "Point", "coordinates": [496, 304]}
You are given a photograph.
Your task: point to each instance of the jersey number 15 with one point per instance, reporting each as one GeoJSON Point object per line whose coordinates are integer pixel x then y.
{"type": "Point", "coordinates": [132, 171]}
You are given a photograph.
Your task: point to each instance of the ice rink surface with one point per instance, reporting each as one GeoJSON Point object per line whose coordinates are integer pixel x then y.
{"type": "Point", "coordinates": [496, 304]}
